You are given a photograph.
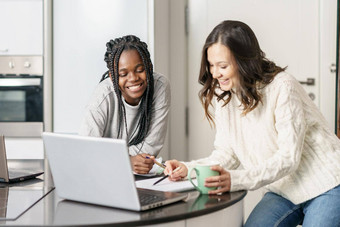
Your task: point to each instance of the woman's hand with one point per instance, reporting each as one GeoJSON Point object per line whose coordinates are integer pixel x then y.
{"type": "Point", "coordinates": [171, 165]}
{"type": "Point", "coordinates": [140, 164]}
{"type": "Point", "coordinates": [222, 182]}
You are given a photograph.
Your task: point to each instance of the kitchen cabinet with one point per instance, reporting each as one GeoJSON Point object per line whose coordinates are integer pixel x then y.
{"type": "Point", "coordinates": [21, 23]}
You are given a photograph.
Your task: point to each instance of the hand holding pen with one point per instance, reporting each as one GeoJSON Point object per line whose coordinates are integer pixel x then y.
{"type": "Point", "coordinates": [142, 163]}
{"type": "Point", "coordinates": [157, 163]}
{"type": "Point", "coordinates": [180, 173]}
{"type": "Point", "coordinates": [166, 176]}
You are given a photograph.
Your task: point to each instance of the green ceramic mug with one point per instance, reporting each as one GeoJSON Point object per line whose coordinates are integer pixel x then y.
{"type": "Point", "coordinates": [203, 171]}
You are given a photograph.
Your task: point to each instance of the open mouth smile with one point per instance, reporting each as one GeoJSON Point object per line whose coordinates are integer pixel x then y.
{"type": "Point", "coordinates": [224, 82]}
{"type": "Point", "coordinates": [135, 87]}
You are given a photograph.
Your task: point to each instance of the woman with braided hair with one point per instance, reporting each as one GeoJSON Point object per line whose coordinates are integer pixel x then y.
{"type": "Point", "coordinates": [131, 102]}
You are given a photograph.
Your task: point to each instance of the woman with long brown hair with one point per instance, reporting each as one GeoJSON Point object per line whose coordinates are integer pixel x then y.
{"type": "Point", "coordinates": [265, 121]}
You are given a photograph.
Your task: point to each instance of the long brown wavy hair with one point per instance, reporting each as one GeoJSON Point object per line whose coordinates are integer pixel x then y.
{"type": "Point", "coordinates": [254, 68]}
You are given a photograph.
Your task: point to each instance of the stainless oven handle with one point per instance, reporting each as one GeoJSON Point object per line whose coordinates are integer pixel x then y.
{"type": "Point", "coordinates": [20, 82]}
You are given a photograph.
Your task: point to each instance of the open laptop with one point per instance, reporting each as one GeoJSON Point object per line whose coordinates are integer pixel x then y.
{"type": "Point", "coordinates": [98, 171]}
{"type": "Point", "coordinates": [12, 175]}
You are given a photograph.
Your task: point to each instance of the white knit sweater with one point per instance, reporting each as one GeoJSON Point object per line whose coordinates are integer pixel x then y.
{"type": "Point", "coordinates": [284, 144]}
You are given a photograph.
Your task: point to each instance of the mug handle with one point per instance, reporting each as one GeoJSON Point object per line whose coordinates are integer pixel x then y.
{"type": "Point", "coordinates": [189, 177]}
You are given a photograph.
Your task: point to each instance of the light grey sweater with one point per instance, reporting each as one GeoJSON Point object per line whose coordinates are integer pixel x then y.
{"type": "Point", "coordinates": [284, 144]}
{"type": "Point", "coordinates": [101, 116]}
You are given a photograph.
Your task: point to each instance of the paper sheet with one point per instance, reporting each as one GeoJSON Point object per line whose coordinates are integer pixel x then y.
{"type": "Point", "coordinates": [166, 185]}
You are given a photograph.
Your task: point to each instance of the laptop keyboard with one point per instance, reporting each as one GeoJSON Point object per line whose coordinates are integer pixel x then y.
{"type": "Point", "coordinates": [146, 197]}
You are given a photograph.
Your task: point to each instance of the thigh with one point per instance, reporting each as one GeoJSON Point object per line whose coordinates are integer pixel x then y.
{"type": "Point", "coordinates": [323, 210]}
{"type": "Point", "coordinates": [274, 210]}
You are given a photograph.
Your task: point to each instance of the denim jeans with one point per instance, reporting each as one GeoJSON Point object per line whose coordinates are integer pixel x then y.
{"type": "Point", "coordinates": [274, 210]}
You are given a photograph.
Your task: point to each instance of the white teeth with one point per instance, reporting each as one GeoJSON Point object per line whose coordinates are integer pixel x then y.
{"type": "Point", "coordinates": [133, 88]}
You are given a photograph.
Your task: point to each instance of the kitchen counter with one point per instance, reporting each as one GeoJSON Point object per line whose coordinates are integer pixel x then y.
{"type": "Point", "coordinates": [196, 210]}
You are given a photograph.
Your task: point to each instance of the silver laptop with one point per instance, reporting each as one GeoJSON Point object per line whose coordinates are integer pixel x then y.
{"type": "Point", "coordinates": [12, 175]}
{"type": "Point", "coordinates": [98, 171]}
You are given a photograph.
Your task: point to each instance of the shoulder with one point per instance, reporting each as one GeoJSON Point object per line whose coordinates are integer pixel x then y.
{"type": "Point", "coordinates": [162, 94]}
{"type": "Point", "coordinates": [161, 84]}
{"type": "Point", "coordinates": [104, 92]}
{"type": "Point", "coordinates": [284, 79]}
{"type": "Point", "coordinates": [283, 82]}
{"type": "Point", "coordinates": [160, 80]}
{"type": "Point", "coordinates": [285, 88]}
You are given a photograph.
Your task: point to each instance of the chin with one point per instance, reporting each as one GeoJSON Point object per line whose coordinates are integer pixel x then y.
{"type": "Point", "coordinates": [226, 88]}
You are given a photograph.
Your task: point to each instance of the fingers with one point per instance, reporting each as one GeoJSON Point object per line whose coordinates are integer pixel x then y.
{"type": "Point", "coordinates": [222, 182]}
{"type": "Point", "coordinates": [176, 176]}
{"type": "Point", "coordinates": [141, 164]}
{"type": "Point", "coordinates": [218, 169]}
{"type": "Point", "coordinates": [170, 166]}
{"type": "Point", "coordinates": [146, 158]}
{"type": "Point", "coordinates": [179, 173]}
{"type": "Point", "coordinates": [141, 170]}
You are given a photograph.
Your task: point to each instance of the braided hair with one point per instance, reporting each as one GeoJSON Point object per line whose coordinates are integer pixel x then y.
{"type": "Point", "coordinates": [114, 49]}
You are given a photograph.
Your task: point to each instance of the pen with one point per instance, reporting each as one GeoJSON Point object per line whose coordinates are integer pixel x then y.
{"type": "Point", "coordinates": [157, 163]}
{"type": "Point", "coordinates": [175, 170]}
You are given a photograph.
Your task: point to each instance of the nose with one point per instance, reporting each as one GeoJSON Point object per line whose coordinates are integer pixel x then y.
{"type": "Point", "coordinates": [133, 76]}
{"type": "Point", "coordinates": [214, 72]}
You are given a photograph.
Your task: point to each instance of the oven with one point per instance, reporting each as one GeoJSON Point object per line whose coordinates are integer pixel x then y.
{"type": "Point", "coordinates": [21, 96]}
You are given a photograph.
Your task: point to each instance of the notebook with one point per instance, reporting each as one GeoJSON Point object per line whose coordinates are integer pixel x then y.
{"type": "Point", "coordinates": [98, 171]}
{"type": "Point", "coordinates": [12, 175]}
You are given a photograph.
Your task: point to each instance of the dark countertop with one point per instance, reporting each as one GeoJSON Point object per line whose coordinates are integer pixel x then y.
{"type": "Point", "coordinates": [72, 213]}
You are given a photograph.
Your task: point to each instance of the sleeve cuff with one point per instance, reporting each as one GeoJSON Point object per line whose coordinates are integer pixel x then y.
{"type": "Point", "coordinates": [235, 184]}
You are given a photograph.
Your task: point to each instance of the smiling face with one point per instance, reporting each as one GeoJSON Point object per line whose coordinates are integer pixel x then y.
{"type": "Point", "coordinates": [222, 66]}
{"type": "Point", "coordinates": [132, 76]}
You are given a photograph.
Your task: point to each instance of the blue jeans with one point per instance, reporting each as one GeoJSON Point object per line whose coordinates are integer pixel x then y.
{"type": "Point", "coordinates": [274, 210]}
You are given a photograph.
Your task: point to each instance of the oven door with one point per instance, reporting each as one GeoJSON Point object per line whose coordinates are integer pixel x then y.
{"type": "Point", "coordinates": [21, 106]}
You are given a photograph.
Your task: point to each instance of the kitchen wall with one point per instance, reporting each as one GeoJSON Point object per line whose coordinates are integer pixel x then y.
{"type": "Point", "coordinates": [80, 31]}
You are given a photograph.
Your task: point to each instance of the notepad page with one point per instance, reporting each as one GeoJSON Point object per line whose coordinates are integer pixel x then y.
{"type": "Point", "coordinates": [166, 185]}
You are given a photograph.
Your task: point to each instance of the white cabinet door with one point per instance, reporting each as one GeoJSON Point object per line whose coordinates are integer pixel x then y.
{"type": "Point", "coordinates": [21, 24]}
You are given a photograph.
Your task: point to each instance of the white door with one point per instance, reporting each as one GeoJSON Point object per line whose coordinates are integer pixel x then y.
{"type": "Point", "coordinates": [292, 33]}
